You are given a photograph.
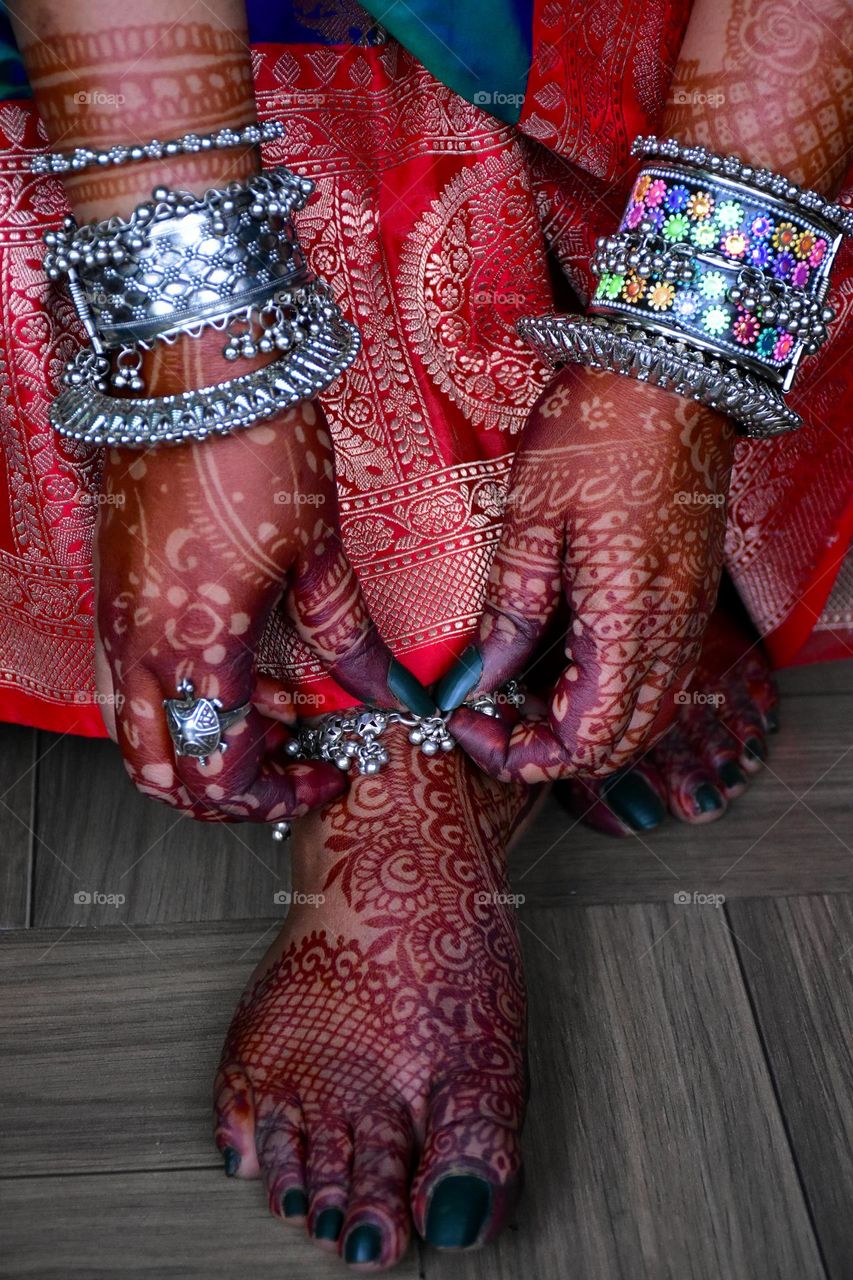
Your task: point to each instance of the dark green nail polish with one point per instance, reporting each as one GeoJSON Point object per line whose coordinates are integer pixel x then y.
{"type": "Point", "coordinates": [458, 1211]}
{"type": "Point", "coordinates": [364, 1244]}
{"type": "Point", "coordinates": [754, 749]}
{"type": "Point", "coordinates": [232, 1161]}
{"type": "Point", "coordinates": [771, 720]}
{"type": "Point", "coordinates": [409, 689]}
{"type": "Point", "coordinates": [328, 1225]}
{"type": "Point", "coordinates": [634, 801]}
{"type": "Point", "coordinates": [708, 798]}
{"type": "Point", "coordinates": [457, 683]}
{"type": "Point", "coordinates": [731, 774]}
{"type": "Point", "coordinates": [294, 1204]}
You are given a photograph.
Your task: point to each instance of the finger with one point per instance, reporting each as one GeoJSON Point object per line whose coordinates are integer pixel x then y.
{"type": "Point", "coordinates": [590, 711]}
{"type": "Point", "coordinates": [328, 609]}
{"type": "Point", "coordinates": [250, 780]}
{"type": "Point", "coordinates": [523, 589]}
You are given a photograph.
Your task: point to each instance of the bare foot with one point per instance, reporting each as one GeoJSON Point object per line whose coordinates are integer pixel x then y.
{"type": "Point", "coordinates": [717, 744]}
{"type": "Point", "coordinates": [374, 1072]}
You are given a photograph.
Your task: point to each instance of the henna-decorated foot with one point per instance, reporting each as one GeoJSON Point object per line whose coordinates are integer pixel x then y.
{"type": "Point", "coordinates": [373, 1074]}
{"type": "Point", "coordinates": [718, 742]}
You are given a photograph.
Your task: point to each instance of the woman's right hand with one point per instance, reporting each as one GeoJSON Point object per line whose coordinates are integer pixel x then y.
{"type": "Point", "coordinates": [195, 546]}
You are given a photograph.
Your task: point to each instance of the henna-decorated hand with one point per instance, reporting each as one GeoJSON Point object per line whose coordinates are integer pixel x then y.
{"type": "Point", "coordinates": [617, 501]}
{"type": "Point", "coordinates": [195, 546]}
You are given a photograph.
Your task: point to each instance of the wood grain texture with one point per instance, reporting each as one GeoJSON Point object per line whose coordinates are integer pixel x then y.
{"type": "Point", "coordinates": [791, 833]}
{"type": "Point", "coordinates": [99, 835]}
{"type": "Point", "coordinates": [654, 1147]}
{"type": "Point", "coordinates": [187, 1225]}
{"type": "Point", "coordinates": [110, 1042]}
{"type": "Point", "coordinates": [17, 800]}
{"type": "Point", "coordinates": [652, 1128]}
{"type": "Point", "coordinates": [797, 954]}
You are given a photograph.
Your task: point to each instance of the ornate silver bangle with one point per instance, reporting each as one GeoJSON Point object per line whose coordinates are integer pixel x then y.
{"type": "Point", "coordinates": [664, 362]}
{"type": "Point", "coordinates": [189, 144]}
{"type": "Point", "coordinates": [230, 260]}
{"type": "Point", "coordinates": [714, 285]}
{"type": "Point", "coordinates": [86, 414]}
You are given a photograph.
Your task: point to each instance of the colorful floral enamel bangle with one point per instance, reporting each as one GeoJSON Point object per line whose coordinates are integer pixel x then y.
{"type": "Point", "coordinates": [714, 285]}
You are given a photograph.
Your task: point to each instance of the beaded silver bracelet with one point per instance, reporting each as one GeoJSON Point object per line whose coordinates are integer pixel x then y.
{"type": "Point", "coordinates": [714, 285]}
{"type": "Point", "coordinates": [188, 144]}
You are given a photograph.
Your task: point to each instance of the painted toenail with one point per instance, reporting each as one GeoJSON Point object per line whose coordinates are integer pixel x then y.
{"type": "Point", "coordinates": [294, 1203]}
{"type": "Point", "coordinates": [364, 1244]}
{"type": "Point", "coordinates": [754, 749]}
{"type": "Point", "coordinates": [771, 720]}
{"type": "Point", "coordinates": [458, 1210]}
{"type": "Point", "coordinates": [708, 798]}
{"type": "Point", "coordinates": [457, 683]}
{"type": "Point", "coordinates": [633, 800]}
{"type": "Point", "coordinates": [232, 1161]}
{"type": "Point", "coordinates": [731, 774]}
{"type": "Point", "coordinates": [328, 1225]}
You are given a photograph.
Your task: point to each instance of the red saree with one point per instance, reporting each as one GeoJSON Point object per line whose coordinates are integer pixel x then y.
{"type": "Point", "coordinates": [432, 221]}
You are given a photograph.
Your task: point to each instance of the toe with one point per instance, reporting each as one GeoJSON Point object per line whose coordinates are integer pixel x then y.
{"type": "Point", "coordinates": [744, 720]}
{"type": "Point", "coordinates": [280, 1143]}
{"type": "Point", "coordinates": [714, 746]}
{"type": "Point", "coordinates": [234, 1108]}
{"type": "Point", "coordinates": [328, 1169]}
{"type": "Point", "coordinates": [625, 804]}
{"type": "Point", "coordinates": [378, 1222]}
{"type": "Point", "coordinates": [693, 789]}
{"type": "Point", "coordinates": [469, 1176]}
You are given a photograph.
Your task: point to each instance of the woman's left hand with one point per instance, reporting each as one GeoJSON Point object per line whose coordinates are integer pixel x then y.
{"type": "Point", "coordinates": [617, 502]}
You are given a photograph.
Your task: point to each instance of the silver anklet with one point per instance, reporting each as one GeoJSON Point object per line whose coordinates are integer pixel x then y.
{"type": "Point", "coordinates": [352, 739]}
{"type": "Point", "coordinates": [189, 144]}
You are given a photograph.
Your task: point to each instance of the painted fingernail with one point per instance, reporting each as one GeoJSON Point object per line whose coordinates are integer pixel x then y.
{"type": "Point", "coordinates": [754, 749]}
{"type": "Point", "coordinates": [231, 1159]}
{"type": "Point", "coordinates": [731, 775]}
{"type": "Point", "coordinates": [771, 720]}
{"type": "Point", "coordinates": [364, 1244]}
{"type": "Point", "coordinates": [294, 1203]}
{"type": "Point", "coordinates": [458, 1211]}
{"type": "Point", "coordinates": [328, 1225]}
{"type": "Point", "coordinates": [455, 684]}
{"type": "Point", "coordinates": [708, 798]}
{"type": "Point", "coordinates": [634, 801]}
{"type": "Point", "coordinates": [409, 689]}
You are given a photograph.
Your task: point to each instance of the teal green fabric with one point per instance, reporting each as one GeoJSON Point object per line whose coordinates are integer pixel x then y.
{"type": "Point", "coordinates": [478, 48]}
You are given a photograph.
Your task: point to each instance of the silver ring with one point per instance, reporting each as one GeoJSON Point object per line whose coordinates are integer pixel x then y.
{"type": "Point", "coordinates": [196, 724]}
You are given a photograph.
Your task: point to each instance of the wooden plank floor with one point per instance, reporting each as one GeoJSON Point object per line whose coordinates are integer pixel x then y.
{"type": "Point", "coordinates": [692, 1113]}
